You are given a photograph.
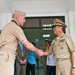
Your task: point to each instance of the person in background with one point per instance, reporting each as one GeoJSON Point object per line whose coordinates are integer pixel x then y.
{"type": "Point", "coordinates": [51, 63]}
{"type": "Point", "coordinates": [44, 58]}
{"type": "Point", "coordinates": [15, 67]}
{"type": "Point", "coordinates": [21, 59]}
{"type": "Point", "coordinates": [11, 34]}
{"type": "Point", "coordinates": [63, 47]}
{"type": "Point", "coordinates": [31, 61]}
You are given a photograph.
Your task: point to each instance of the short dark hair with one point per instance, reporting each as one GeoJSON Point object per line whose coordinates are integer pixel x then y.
{"type": "Point", "coordinates": [47, 40]}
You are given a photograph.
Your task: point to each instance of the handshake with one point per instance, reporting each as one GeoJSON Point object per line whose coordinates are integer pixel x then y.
{"type": "Point", "coordinates": [40, 53]}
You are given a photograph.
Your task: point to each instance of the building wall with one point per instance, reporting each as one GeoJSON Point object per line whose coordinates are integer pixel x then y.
{"type": "Point", "coordinates": [4, 19]}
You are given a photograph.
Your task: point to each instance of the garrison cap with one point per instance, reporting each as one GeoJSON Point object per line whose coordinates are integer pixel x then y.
{"type": "Point", "coordinates": [58, 22]}
{"type": "Point", "coordinates": [16, 12]}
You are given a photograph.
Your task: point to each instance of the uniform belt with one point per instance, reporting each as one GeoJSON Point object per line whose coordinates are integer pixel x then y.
{"type": "Point", "coordinates": [61, 59]}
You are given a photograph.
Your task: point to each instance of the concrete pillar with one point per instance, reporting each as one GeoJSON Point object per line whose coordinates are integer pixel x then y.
{"type": "Point", "coordinates": [71, 23]}
{"type": "Point", "coordinates": [4, 19]}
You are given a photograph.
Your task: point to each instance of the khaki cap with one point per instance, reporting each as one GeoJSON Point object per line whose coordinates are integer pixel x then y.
{"type": "Point", "coordinates": [16, 12]}
{"type": "Point", "coordinates": [58, 22]}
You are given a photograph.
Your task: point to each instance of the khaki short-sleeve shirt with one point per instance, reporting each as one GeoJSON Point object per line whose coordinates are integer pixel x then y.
{"type": "Point", "coordinates": [62, 47]}
{"type": "Point", "coordinates": [11, 34]}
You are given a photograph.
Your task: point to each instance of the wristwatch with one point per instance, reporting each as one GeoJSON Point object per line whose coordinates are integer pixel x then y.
{"type": "Point", "coordinates": [73, 66]}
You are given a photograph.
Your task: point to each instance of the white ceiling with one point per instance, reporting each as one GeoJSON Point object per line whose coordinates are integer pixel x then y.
{"type": "Point", "coordinates": [5, 6]}
{"type": "Point", "coordinates": [8, 5]}
{"type": "Point", "coordinates": [40, 0]}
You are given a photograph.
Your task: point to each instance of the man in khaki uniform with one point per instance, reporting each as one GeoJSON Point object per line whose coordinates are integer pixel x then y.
{"type": "Point", "coordinates": [63, 48]}
{"type": "Point", "coordinates": [10, 35]}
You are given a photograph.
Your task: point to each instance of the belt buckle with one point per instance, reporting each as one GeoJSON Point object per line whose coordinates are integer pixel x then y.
{"type": "Point", "coordinates": [58, 59]}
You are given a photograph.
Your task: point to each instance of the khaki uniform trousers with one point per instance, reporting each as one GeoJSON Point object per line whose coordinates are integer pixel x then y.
{"type": "Point", "coordinates": [6, 63]}
{"type": "Point", "coordinates": [63, 67]}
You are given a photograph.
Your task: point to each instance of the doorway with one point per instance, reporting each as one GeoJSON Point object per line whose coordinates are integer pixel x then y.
{"type": "Point", "coordinates": [37, 29]}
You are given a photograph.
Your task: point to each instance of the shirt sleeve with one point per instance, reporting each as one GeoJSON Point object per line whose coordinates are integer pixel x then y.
{"type": "Point", "coordinates": [18, 32]}
{"type": "Point", "coordinates": [70, 43]}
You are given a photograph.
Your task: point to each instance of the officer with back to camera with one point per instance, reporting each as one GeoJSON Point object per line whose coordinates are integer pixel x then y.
{"type": "Point", "coordinates": [11, 34]}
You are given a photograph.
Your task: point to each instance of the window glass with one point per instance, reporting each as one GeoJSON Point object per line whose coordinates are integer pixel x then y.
{"type": "Point", "coordinates": [39, 35]}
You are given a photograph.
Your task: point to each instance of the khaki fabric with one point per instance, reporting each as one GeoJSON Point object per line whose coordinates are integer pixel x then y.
{"type": "Point", "coordinates": [63, 46]}
{"type": "Point", "coordinates": [63, 67]}
{"type": "Point", "coordinates": [17, 12]}
{"type": "Point", "coordinates": [58, 22]}
{"type": "Point", "coordinates": [70, 42]}
{"type": "Point", "coordinates": [6, 63]}
{"type": "Point", "coordinates": [11, 34]}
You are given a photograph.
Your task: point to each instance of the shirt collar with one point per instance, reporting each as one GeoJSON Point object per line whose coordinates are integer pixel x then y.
{"type": "Point", "coordinates": [60, 36]}
{"type": "Point", "coordinates": [14, 21]}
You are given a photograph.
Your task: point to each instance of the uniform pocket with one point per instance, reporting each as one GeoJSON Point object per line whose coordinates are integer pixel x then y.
{"type": "Point", "coordinates": [61, 44]}
{"type": "Point", "coordinates": [6, 57]}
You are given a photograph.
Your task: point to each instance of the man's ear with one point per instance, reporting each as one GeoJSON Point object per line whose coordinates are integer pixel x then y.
{"type": "Point", "coordinates": [17, 17]}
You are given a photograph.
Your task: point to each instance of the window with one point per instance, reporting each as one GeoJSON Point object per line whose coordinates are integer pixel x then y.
{"type": "Point", "coordinates": [37, 29]}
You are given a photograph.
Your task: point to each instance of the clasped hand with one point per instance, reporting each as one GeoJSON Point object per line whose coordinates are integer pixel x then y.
{"type": "Point", "coordinates": [40, 52]}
